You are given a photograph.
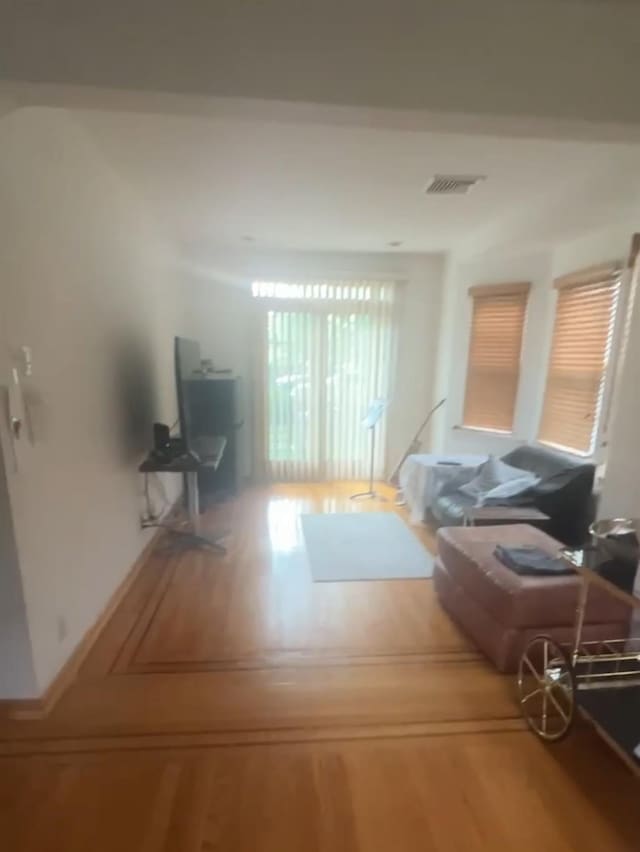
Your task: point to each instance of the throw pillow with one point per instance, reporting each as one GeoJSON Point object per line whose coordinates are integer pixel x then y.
{"type": "Point", "coordinates": [509, 490]}
{"type": "Point", "coordinates": [492, 473]}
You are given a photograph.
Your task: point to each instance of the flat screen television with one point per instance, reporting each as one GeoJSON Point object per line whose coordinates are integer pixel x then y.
{"type": "Point", "coordinates": [188, 364]}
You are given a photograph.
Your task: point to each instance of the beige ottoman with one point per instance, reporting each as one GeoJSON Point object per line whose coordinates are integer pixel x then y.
{"type": "Point", "coordinates": [501, 610]}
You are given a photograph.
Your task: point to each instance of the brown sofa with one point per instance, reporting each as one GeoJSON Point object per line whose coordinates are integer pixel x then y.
{"type": "Point", "coordinates": [501, 610]}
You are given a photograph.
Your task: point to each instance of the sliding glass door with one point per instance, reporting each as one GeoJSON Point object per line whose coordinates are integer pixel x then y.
{"type": "Point", "coordinates": [329, 353]}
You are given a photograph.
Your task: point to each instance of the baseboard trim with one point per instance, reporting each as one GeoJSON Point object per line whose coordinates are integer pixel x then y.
{"type": "Point", "coordinates": [38, 708]}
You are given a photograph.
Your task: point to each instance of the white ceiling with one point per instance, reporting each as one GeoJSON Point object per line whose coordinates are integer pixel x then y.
{"type": "Point", "coordinates": [211, 181]}
{"type": "Point", "coordinates": [555, 58]}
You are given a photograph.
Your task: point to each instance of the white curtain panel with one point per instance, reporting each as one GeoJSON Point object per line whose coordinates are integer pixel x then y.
{"type": "Point", "coordinates": [329, 353]}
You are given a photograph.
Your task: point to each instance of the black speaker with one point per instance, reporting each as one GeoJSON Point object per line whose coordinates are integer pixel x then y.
{"type": "Point", "coordinates": [161, 438]}
{"type": "Point", "coordinates": [215, 410]}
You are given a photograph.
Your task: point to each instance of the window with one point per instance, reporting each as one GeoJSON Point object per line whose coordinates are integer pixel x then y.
{"type": "Point", "coordinates": [329, 349]}
{"type": "Point", "coordinates": [494, 355]}
{"type": "Point", "coordinates": [580, 351]}
{"type": "Point", "coordinates": [326, 291]}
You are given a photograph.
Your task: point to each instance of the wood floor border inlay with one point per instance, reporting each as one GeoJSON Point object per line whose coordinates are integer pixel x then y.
{"type": "Point", "coordinates": [296, 660]}
{"type": "Point", "coordinates": [134, 638]}
{"type": "Point", "coordinates": [227, 739]}
{"type": "Point", "coordinates": [158, 583]}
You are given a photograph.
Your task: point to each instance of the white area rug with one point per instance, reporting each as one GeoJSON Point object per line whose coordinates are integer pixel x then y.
{"type": "Point", "coordinates": [363, 546]}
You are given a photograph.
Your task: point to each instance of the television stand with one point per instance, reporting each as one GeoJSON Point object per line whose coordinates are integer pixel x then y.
{"type": "Point", "coordinates": [190, 464]}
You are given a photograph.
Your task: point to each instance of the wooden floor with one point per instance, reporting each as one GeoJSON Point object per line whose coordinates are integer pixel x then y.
{"type": "Point", "coordinates": [232, 704]}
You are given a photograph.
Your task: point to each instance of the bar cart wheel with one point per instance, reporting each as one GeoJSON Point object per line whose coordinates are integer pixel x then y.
{"type": "Point", "coordinates": [547, 688]}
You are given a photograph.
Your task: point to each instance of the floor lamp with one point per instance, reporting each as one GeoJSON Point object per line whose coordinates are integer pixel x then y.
{"type": "Point", "coordinates": [374, 415]}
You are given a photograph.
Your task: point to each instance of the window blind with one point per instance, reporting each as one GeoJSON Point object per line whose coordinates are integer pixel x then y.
{"type": "Point", "coordinates": [329, 350]}
{"type": "Point", "coordinates": [493, 368]}
{"type": "Point", "coordinates": [580, 350]}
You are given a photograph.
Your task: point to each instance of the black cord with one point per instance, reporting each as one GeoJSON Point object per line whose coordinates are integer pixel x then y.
{"type": "Point", "coordinates": [147, 498]}
{"type": "Point", "coordinates": [165, 499]}
{"type": "Point", "coordinates": [190, 536]}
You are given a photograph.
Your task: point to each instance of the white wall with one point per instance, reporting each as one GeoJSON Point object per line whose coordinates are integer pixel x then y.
{"type": "Point", "coordinates": [621, 489]}
{"type": "Point", "coordinates": [89, 288]}
{"type": "Point", "coordinates": [219, 318]}
{"type": "Point", "coordinates": [221, 302]}
{"type": "Point", "coordinates": [601, 246]}
{"type": "Point", "coordinates": [17, 676]}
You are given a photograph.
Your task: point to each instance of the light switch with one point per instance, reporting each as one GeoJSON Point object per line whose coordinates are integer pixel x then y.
{"type": "Point", "coordinates": [16, 407]}
{"type": "Point", "coordinates": [27, 360]}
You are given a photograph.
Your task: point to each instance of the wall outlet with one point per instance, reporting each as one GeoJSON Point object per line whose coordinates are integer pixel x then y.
{"type": "Point", "coordinates": [62, 628]}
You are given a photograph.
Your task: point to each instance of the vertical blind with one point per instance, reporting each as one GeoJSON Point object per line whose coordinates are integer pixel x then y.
{"type": "Point", "coordinates": [580, 350]}
{"type": "Point", "coordinates": [493, 368]}
{"type": "Point", "coordinates": [329, 353]}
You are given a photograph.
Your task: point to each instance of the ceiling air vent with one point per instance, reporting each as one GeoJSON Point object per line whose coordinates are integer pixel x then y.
{"type": "Point", "coordinates": [452, 184]}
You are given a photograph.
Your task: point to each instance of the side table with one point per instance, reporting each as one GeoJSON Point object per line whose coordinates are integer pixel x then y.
{"type": "Point", "coordinates": [475, 516]}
